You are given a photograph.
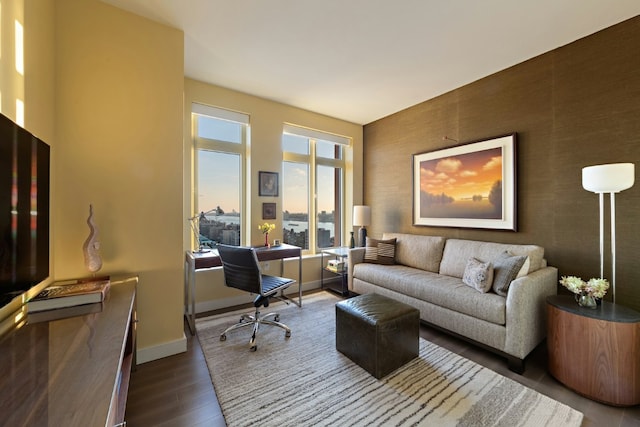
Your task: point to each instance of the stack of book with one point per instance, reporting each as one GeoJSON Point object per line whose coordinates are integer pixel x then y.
{"type": "Point", "coordinates": [336, 266]}
{"type": "Point", "coordinates": [78, 296]}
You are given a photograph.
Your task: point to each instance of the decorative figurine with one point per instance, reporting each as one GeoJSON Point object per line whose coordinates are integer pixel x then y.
{"type": "Point", "coordinates": [92, 259]}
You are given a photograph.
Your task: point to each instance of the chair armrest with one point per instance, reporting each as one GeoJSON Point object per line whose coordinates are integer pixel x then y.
{"type": "Point", "coordinates": [356, 256]}
{"type": "Point", "coordinates": [527, 310]}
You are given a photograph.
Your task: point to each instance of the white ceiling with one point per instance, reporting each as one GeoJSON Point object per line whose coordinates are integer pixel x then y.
{"type": "Point", "coordinates": [361, 60]}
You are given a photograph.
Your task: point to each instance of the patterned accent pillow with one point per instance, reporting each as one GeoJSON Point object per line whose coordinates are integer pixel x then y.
{"type": "Point", "coordinates": [525, 268]}
{"type": "Point", "coordinates": [505, 270]}
{"type": "Point", "coordinates": [478, 275]}
{"type": "Point", "coordinates": [380, 251]}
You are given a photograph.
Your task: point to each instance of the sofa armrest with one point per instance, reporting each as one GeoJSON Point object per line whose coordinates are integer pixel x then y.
{"type": "Point", "coordinates": [526, 310]}
{"type": "Point", "coordinates": [356, 256]}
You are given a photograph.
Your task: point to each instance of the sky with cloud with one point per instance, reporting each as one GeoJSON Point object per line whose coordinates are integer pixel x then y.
{"type": "Point", "coordinates": [462, 176]}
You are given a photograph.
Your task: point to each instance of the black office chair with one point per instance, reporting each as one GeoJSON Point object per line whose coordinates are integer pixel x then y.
{"type": "Point", "coordinates": [242, 271]}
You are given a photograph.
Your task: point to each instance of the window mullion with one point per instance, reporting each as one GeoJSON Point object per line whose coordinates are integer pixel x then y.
{"type": "Point", "coordinates": [335, 163]}
{"type": "Point", "coordinates": [215, 145]}
{"type": "Point", "coordinates": [313, 196]}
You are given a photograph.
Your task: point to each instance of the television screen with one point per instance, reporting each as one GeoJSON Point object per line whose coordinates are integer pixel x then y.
{"type": "Point", "coordinates": [24, 210]}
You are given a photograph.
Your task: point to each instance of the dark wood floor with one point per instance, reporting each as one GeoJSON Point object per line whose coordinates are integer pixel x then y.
{"type": "Point", "coordinates": [174, 391]}
{"type": "Point", "coordinates": [177, 390]}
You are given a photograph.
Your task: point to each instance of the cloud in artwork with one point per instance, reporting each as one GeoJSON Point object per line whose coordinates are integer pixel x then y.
{"type": "Point", "coordinates": [493, 163]}
{"type": "Point", "coordinates": [448, 165]}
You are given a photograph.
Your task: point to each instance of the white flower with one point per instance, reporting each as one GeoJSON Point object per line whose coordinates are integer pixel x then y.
{"type": "Point", "coordinates": [594, 287]}
{"type": "Point", "coordinates": [597, 287]}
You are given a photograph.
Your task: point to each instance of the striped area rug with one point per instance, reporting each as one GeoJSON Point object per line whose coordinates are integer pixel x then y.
{"type": "Point", "coordinates": [305, 381]}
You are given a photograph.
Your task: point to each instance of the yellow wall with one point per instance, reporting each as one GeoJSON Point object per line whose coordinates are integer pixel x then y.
{"type": "Point", "coordinates": [266, 120]}
{"type": "Point", "coordinates": [119, 93]}
{"type": "Point", "coordinates": [39, 82]}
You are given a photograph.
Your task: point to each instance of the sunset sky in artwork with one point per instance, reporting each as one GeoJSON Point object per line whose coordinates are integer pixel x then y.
{"type": "Point", "coordinates": [462, 176]}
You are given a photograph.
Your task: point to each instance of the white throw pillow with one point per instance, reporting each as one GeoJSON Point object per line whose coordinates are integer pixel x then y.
{"type": "Point", "coordinates": [478, 275]}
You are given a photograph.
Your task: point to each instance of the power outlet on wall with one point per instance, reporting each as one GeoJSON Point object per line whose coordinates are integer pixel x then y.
{"type": "Point", "coordinates": [265, 266]}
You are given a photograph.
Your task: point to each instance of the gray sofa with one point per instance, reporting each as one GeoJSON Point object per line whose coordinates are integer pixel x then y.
{"type": "Point", "coordinates": [427, 274]}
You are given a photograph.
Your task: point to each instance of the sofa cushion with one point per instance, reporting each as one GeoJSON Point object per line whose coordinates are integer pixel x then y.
{"type": "Point", "coordinates": [478, 275]}
{"type": "Point", "coordinates": [457, 252]}
{"type": "Point", "coordinates": [423, 252]}
{"type": "Point", "coordinates": [445, 291]}
{"type": "Point", "coordinates": [380, 251]}
{"type": "Point", "coordinates": [506, 268]}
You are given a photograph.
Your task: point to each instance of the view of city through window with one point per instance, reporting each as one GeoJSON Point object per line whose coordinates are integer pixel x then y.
{"type": "Point", "coordinates": [295, 229]}
{"type": "Point", "coordinates": [220, 226]}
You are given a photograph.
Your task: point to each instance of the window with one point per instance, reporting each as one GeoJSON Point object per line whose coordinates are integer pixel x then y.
{"type": "Point", "coordinates": [219, 138]}
{"type": "Point", "coordinates": [313, 187]}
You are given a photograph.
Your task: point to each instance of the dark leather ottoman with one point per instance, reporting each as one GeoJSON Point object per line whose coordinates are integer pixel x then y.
{"type": "Point", "coordinates": [378, 333]}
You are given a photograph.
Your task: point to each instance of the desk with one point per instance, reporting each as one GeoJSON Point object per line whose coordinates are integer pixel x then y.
{"type": "Point", "coordinates": [200, 260]}
{"type": "Point", "coordinates": [72, 371]}
{"type": "Point", "coordinates": [595, 352]}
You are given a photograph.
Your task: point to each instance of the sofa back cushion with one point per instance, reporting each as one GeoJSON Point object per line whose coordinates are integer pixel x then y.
{"type": "Point", "coordinates": [423, 252]}
{"type": "Point", "coordinates": [457, 252]}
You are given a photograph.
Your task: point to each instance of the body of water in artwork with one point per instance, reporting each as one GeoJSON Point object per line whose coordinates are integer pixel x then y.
{"type": "Point", "coordinates": [482, 209]}
{"type": "Point", "coordinates": [297, 226]}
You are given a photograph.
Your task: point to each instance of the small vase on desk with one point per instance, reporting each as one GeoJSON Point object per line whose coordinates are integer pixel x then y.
{"type": "Point", "coordinates": [586, 300]}
{"type": "Point", "coordinates": [353, 242]}
{"type": "Point", "coordinates": [266, 239]}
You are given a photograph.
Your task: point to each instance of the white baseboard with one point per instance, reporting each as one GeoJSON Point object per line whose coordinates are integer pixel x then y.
{"type": "Point", "coordinates": [205, 306]}
{"type": "Point", "coordinates": [163, 350]}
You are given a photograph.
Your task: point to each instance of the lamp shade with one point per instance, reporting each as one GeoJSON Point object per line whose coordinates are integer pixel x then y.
{"type": "Point", "coordinates": [610, 178]}
{"type": "Point", "coordinates": [361, 215]}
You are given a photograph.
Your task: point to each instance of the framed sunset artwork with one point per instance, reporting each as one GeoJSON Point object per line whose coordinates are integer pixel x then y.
{"type": "Point", "coordinates": [471, 185]}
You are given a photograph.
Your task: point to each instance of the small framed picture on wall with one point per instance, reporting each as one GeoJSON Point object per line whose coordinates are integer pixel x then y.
{"type": "Point", "coordinates": [267, 183]}
{"type": "Point", "coordinates": [268, 211]}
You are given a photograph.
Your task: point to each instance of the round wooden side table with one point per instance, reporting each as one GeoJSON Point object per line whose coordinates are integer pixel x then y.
{"type": "Point", "coordinates": [595, 352]}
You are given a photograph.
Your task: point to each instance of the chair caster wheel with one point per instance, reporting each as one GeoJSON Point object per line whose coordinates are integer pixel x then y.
{"type": "Point", "coordinates": [253, 348]}
{"type": "Point", "coordinates": [276, 318]}
{"type": "Point", "coordinates": [223, 337]}
{"type": "Point", "coordinates": [287, 334]}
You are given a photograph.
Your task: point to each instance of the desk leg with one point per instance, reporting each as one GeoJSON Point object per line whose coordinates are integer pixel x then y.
{"type": "Point", "coordinates": [190, 293]}
{"type": "Point", "coordinates": [300, 280]}
{"type": "Point", "coordinates": [282, 295]}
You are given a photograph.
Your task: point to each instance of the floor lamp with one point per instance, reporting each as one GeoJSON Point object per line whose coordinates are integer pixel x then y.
{"type": "Point", "coordinates": [612, 178]}
{"type": "Point", "coordinates": [362, 217]}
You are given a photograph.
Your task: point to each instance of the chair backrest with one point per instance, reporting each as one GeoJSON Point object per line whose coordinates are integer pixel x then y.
{"type": "Point", "coordinates": [241, 268]}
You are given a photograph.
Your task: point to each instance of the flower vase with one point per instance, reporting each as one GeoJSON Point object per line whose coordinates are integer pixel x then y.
{"type": "Point", "coordinates": [586, 300]}
{"type": "Point", "coordinates": [266, 239]}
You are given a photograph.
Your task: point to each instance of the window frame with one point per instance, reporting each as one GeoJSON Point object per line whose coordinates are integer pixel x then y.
{"type": "Point", "coordinates": [312, 160]}
{"type": "Point", "coordinates": [224, 147]}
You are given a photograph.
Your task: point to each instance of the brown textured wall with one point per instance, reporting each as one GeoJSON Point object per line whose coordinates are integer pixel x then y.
{"type": "Point", "coordinates": [575, 106]}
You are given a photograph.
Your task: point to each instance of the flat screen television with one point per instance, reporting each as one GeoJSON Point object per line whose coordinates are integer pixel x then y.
{"type": "Point", "coordinates": [24, 210]}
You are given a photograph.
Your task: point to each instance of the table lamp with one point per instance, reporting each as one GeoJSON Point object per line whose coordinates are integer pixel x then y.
{"type": "Point", "coordinates": [610, 178]}
{"type": "Point", "coordinates": [195, 226]}
{"type": "Point", "coordinates": [362, 218]}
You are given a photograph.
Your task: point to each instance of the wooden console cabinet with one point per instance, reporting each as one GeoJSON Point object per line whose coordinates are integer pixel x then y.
{"type": "Point", "coordinates": [595, 352]}
{"type": "Point", "coordinates": [72, 371]}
